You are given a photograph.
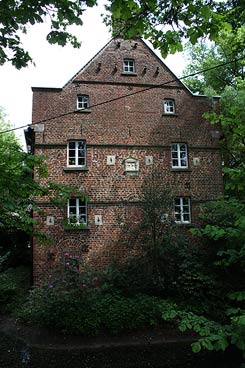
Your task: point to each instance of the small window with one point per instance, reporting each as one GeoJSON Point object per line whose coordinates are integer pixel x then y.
{"type": "Point", "coordinates": [169, 106]}
{"type": "Point", "coordinates": [182, 210]}
{"type": "Point", "coordinates": [76, 153]}
{"type": "Point", "coordinates": [129, 66]}
{"type": "Point", "coordinates": [179, 155]}
{"type": "Point", "coordinates": [82, 102]}
{"type": "Point", "coordinates": [77, 211]}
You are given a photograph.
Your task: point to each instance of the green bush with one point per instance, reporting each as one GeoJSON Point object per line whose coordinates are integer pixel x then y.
{"type": "Point", "coordinates": [182, 272]}
{"type": "Point", "coordinates": [14, 284]}
{"type": "Point", "coordinates": [76, 304]}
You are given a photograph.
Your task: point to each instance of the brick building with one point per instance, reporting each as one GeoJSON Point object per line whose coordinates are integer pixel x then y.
{"type": "Point", "coordinates": [103, 132]}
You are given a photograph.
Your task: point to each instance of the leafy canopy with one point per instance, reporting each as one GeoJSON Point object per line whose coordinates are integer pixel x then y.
{"type": "Point", "coordinates": [17, 15]}
{"type": "Point", "coordinates": [165, 23]}
{"type": "Point", "coordinates": [19, 191]}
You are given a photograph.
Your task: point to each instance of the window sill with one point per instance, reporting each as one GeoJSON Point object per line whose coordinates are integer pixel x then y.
{"type": "Point", "coordinates": [129, 74]}
{"type": "Point", "coordinates": [181, 170]}
{"type": "Point", "coordinates": [184, 224]}
{"type": "Point", "coordinates": [169, 114]}
{"type": "Point", "coordinates": [86, 111]}
{"type": "Point", "coordinates": [75, 168]}
{"type": "Point", "coordinates": [76, 228]}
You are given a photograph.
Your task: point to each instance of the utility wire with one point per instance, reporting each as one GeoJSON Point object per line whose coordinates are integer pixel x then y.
{"type": "Point", "coordinates": [127, 95]}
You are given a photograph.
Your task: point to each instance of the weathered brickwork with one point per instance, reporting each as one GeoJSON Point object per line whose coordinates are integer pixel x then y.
{"type": "Point", "coordinates": [125, 119]}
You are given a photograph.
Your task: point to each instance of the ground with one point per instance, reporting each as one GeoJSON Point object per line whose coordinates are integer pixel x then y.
{"type": "Point", "coordinates": [34, 347]}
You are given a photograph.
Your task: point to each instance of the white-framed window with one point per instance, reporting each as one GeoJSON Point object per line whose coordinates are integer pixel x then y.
{"type": "Point", "coordinates": [169, 106]}
{"type": "Point", "coordinates": [76, 153]}
{"type": "Point", "coordinates": [82, 102]}
{"type": "Point", "coordinates": [179, 155]}
{"type": "Point", "coordinates": [129, 66]}
{"type": "Point", "coordinates": [182, 210]}
{"type": "Point", "coordinates": [77, 211]}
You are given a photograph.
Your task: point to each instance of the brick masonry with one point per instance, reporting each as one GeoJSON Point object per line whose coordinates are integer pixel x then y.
{"type": "Point", "coordinates": [125, 119]}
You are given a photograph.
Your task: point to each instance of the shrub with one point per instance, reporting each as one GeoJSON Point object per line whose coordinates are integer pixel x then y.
{"type": "Point", "coordinates": [79, 305]}
{"type": "Point", "coordinates": [14, 284]}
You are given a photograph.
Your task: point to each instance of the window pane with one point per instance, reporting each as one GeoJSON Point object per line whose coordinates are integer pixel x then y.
{"type": "Point", "coordinates": [82, 219]}
{"type": "Point", "coordinates": [174, 147]}
{"type": "Point", "coordinates": [81, 145]}
{"type": "Point", "coordinates": [71, 145]}
{"type": "Point", "coordinates": [72, 153]}
{"type": "Point", "coordinates": [183, 162]}
{"type": "Point", "coordinates": [183, 147]}
{"type": "Point", "coordinates": [72, 202]}
{"type": "Point", "coordinates": [177, 201]}
{"type": "Point", "coordinates": [185, 201]}
{"type": "Point", "coordinates": [186, 217]}
{"type": "Point", "coordinates": [72, 161]}
{"type": "Point", "coordinates": [177, 217]}
{"type": "Point", "coordinates": [175, 163]}
{"type": "Point", "coordinates": [81, 161]}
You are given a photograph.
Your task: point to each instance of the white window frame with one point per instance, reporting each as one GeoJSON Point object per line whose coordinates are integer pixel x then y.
{"type": "Point", "coordinates": [129, 66]}
{"type": "Point", "coordinates": [179, 156]}
{"type": "Point", "coordinates": [77, 209]}
{"type": "Point", "coordinates": [79, 154]}
{"type": "Point", "coordinates": [182, 210]}
{"type": "Point", "coordinates": [169, 106]}
{"type": "Point", "coordinates": [82, 102]}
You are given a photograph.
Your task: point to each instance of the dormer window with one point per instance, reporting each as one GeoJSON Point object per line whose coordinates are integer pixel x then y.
{"type": "Point", "coordinates": [82, 102]}
{"type": "Point", "coordinates": [128, 66]}
{"type": "Point", "coordinates": [169, 106]}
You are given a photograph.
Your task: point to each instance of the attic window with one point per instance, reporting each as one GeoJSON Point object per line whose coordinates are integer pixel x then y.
{"type": "Point", "coordinates": [169, 106]}
{"type": "Point", "coordinates": [82, 102]}
{"type": "Point", "coordinates": [128, 66]}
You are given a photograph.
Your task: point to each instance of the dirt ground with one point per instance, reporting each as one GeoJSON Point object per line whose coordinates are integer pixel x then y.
{"type": "Point", "coordinates": [26, 346]}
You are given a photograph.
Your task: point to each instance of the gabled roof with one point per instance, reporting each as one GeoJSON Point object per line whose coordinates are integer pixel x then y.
{"type": "Point", "coordinates": [96, 57]}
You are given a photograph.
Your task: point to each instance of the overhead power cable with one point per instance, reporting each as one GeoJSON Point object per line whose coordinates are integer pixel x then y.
{"type": "Point", "coordinates": [127, 95]}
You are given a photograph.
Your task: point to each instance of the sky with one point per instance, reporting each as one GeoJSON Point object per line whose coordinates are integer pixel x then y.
{"type": "Point", "coordinates": [55, 65]}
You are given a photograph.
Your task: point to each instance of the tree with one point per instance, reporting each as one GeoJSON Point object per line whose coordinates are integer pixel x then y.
{"type": "Point", "coordinates": [228, 50]}
{"type": "Point", "coordinates": [18, 189]}
{"type": "Point", "coordinates": [228, 81]}
{"type": "Point", "coordinates": [165, 23]}
{"type": "Point", "coordinates": [16, 16]}
{"type": "Point", "coordinates": [223, 221]}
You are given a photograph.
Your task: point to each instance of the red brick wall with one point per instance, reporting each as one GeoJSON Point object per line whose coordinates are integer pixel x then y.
{"type": "Point", "coordinates": [130, 126]}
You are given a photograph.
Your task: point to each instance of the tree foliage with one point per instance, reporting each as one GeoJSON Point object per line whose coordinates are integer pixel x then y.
{"type": "Point", "coordinates": [165, 23]}
{"type": "Point", "coordinates": [16, 16]}
{"type": "Point", "coordinates": [223, 221]}
{"type": "Point", "coordinates": [231, 119]}
{"type": "Point", "coordinates": [19, 191]}
{"type": "Point", "coordinates": [228, 50]}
